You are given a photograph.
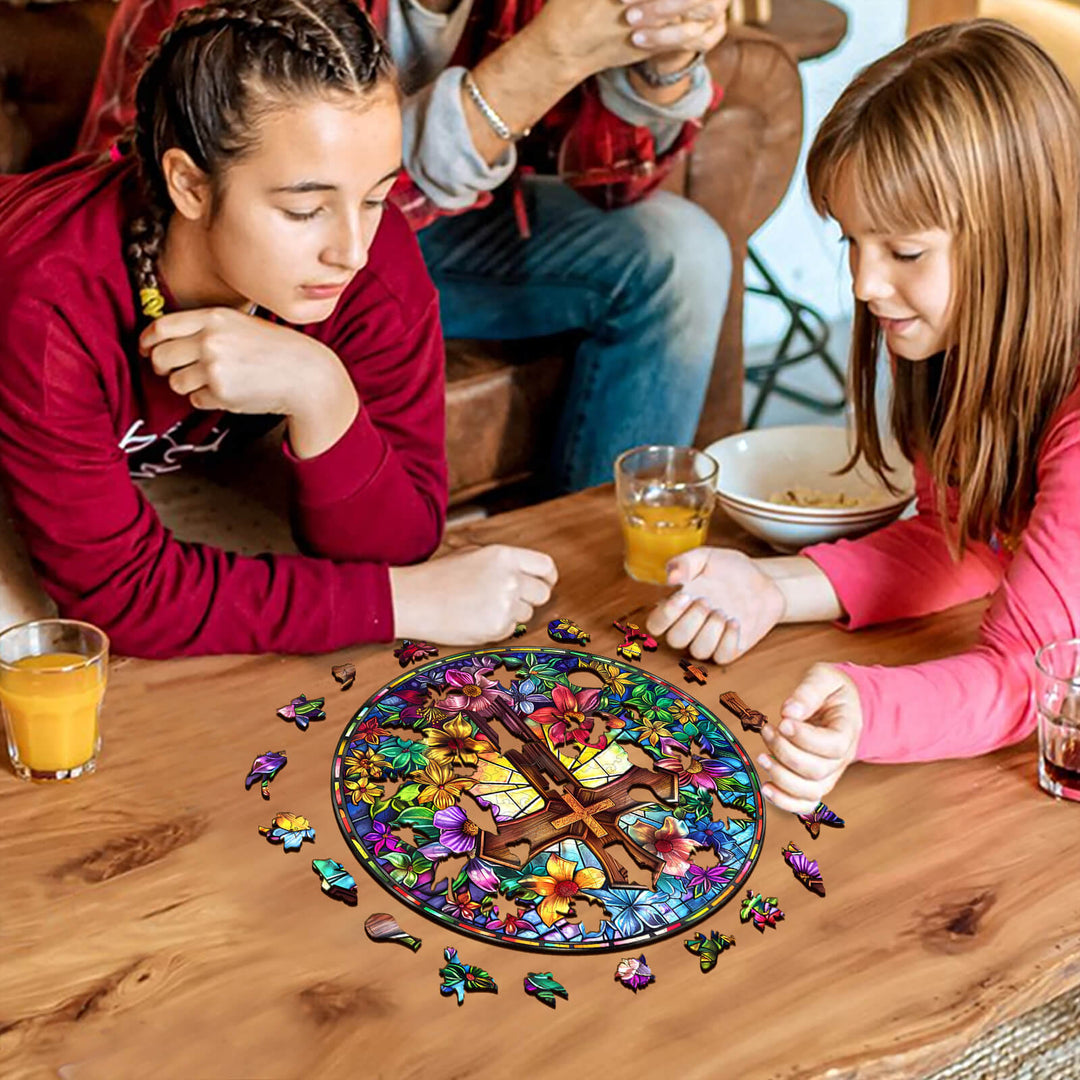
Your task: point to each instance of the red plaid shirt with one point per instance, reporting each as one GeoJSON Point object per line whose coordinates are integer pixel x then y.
{"type": "Point", "coordinates": [610, 161]}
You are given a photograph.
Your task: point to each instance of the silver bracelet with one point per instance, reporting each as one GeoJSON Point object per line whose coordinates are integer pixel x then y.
{"type": "Point", "coordinates": [495, 121]}
{"type": "Point", "coordinates": [654, 78]}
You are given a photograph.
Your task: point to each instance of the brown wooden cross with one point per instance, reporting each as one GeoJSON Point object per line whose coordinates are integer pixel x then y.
{"type": "Point", "coordinates": [584, 814]}
{"type": "Point", "coordinates": [595, 811]}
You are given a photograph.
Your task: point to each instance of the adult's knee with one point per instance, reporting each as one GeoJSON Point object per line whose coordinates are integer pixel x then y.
{"type": "Point", "coordinates": [688, 246]}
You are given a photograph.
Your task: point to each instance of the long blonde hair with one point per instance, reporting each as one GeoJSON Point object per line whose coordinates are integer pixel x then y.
{"type": "Point", "coordinates": [973, 129]}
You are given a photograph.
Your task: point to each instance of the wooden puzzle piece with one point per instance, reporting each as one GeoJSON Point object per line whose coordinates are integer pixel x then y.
{"type": "Point", "coordinates": [805, 869]}
{"type": "Point", "coordinates": [384, 927]}
{"type": "Point", "coordinates": [460, 979]}
{"type": "Point", "coordinates": [264, 768]}
{"type": "Point", "coordinates": [566, 632]}
{"type": "Point", "coordinates": [709, 948]}
{"type": "Point", "coordinates": [344, 674]}
{"type": "Point", "coordinates": [820, 815]}
{"type": "Point", "coordinates": [335, 881]}
{"type": "Point", "coordinates": [693, 673]}
{"type": "Point", "coordinates": [545, 988]}
{"type": "Point", "coordinates": [301, 711]}
{"type": "Point", "coordinates": [288, 829]}
{"type": "Point", "coordinates": [751, 719]}
{"type": "Point", "coordinates": [763, 912]}
{"type": "Point", "coordinates": [634, 973]}
{"type": "Point", "coordinates": [412, 652]}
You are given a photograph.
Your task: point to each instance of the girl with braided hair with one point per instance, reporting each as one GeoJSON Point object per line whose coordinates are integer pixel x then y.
{"type": "Point", "coordinates": [239, 268]}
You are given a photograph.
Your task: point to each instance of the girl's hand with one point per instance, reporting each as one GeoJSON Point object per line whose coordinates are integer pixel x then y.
{"type": "Point", "coordinates": [724, 607]}
{"type": "Point", "coordinates": [471, 597]}
{"type": "Point", "coordinates": [818, 734]}
{"type": "Point", "coordinates": [219, 358]}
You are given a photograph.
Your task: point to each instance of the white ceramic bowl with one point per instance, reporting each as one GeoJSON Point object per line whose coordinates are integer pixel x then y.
{"type": "Point", "coordinates": [756, 464]}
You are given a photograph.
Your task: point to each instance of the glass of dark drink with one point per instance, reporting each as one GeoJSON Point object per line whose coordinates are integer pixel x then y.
{"type": "Point", "coordinates": [1057, 698]}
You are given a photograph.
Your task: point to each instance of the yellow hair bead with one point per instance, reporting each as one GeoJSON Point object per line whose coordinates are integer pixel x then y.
{"type": "Point", "coordinates": [152, 302]}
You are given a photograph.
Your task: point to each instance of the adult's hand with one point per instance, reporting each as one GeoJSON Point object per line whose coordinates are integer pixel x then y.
{"type": "Point", "coordinates": [672, 32]}
{"type": "Point", "coordinates": [471, 597]}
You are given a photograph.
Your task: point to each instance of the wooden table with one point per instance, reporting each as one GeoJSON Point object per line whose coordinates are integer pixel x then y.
{"type": "Point", "coordinates": [148, 931]}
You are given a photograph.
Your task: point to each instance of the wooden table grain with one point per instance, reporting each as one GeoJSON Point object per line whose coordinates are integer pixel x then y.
{"type": "Point", "coordinates": [146, 929]}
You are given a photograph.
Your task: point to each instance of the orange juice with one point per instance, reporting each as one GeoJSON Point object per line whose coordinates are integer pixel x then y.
{"type": "Point", "coordinates": [52, 715]}
{"type": "Point", "coordinates": [654, 534]}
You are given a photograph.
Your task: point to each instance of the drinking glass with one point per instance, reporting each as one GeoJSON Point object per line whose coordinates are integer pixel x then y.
{"type": "Point", "coordinates": [1057, 698]}
{"type": "Point", "coordinates": [666, 496]}
{"type": "Point", "coordinates": [52, 681]}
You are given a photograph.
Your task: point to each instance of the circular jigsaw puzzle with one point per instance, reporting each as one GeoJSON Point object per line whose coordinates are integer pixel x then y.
{"type": "Point", "coordinates": [548, 799]}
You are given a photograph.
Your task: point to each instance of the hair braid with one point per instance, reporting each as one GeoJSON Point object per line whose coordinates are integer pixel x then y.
{"type": "Point", "coordinates": [197, 88]}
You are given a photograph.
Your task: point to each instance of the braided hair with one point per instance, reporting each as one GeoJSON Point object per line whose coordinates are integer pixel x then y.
{"type": "Point", "coordinates": [201, 89]}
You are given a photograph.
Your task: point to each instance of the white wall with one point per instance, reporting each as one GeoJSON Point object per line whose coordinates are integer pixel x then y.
{"type": "Point", "coordinates": [803, 251]}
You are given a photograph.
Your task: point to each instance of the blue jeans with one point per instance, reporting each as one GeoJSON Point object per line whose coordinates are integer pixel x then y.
{"type": "Point", "coordinates": [647, 284]}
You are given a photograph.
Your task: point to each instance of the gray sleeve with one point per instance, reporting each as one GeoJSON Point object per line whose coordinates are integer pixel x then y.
{"type": "Point", "coordinates": [665, 122]}
{"type": "Point", "coordinates": [438, 148]}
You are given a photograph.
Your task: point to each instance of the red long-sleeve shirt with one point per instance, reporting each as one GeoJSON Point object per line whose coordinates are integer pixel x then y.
{"type": "Point", "coordinates": [81, 412]}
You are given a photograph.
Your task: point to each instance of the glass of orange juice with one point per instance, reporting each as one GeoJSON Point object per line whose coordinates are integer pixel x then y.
{"type": "Point", "coordinates": [52, 680]}
{"type": "Point", "coordinates": [666, 496]}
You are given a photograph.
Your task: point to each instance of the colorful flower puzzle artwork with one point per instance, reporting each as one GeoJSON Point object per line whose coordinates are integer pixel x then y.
{"type": "Point", "coordinates": [288, 829]}
{"type": "Point", "coordinates": [567, 632]}
{"type": "Point", "coordinates": [384, 927]}
{"type": "Point", "coordinates": [820, 815]}
{"type": "Point", "coordinates": [709, 948]}
{"type": "Point", "coordinates": [462, 979]}
{"type": "Point", "coordinates": [302, 712]}
{"type": "Point", "coordinates": [634, 974]}
{"type": "Point", "coordinates": [806, 870]}
{"type": "Point", "coordinates": [264, 768]}
{"type": "Point", "coordinates": [344, 674]}
{"type": "Point", "coordinates": [751, 719]}
{"type": "Point", "coordinates": [496, 781]}
{"type": "Point", "coordinates": [763, 912]}
{"type": "Point", "coordinates": [334, 881]}
{"type": "Point", "coordinates": [412, 652]}
{"type": "Point", "coordinates": [545, 988]}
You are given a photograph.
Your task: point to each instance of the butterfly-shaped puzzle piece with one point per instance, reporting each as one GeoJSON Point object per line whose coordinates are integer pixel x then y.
{"type": "Point", "coordinates": [709, 948]}
{"type": "Point", "coordinates": [820, 815]}
{"type": "Point", "coordinates": [545, 988]}
{"type": "Point", "coordinates": [805, 869]}
{"type": "Point", "coordinates": [302, 712]}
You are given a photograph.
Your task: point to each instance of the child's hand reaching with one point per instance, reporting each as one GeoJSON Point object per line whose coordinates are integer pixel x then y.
{"type": "Point", "coordinates": [725, 605]}
{"type": "Point", "coordinates": [815, 741]}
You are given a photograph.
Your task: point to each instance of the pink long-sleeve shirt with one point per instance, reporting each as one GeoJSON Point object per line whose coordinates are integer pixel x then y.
{"type": "Point", "coordinates": [964, 705]}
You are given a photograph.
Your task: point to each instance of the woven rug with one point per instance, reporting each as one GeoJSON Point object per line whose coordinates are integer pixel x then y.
{"type": "Point", "coordinates": [1043, 1044]}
